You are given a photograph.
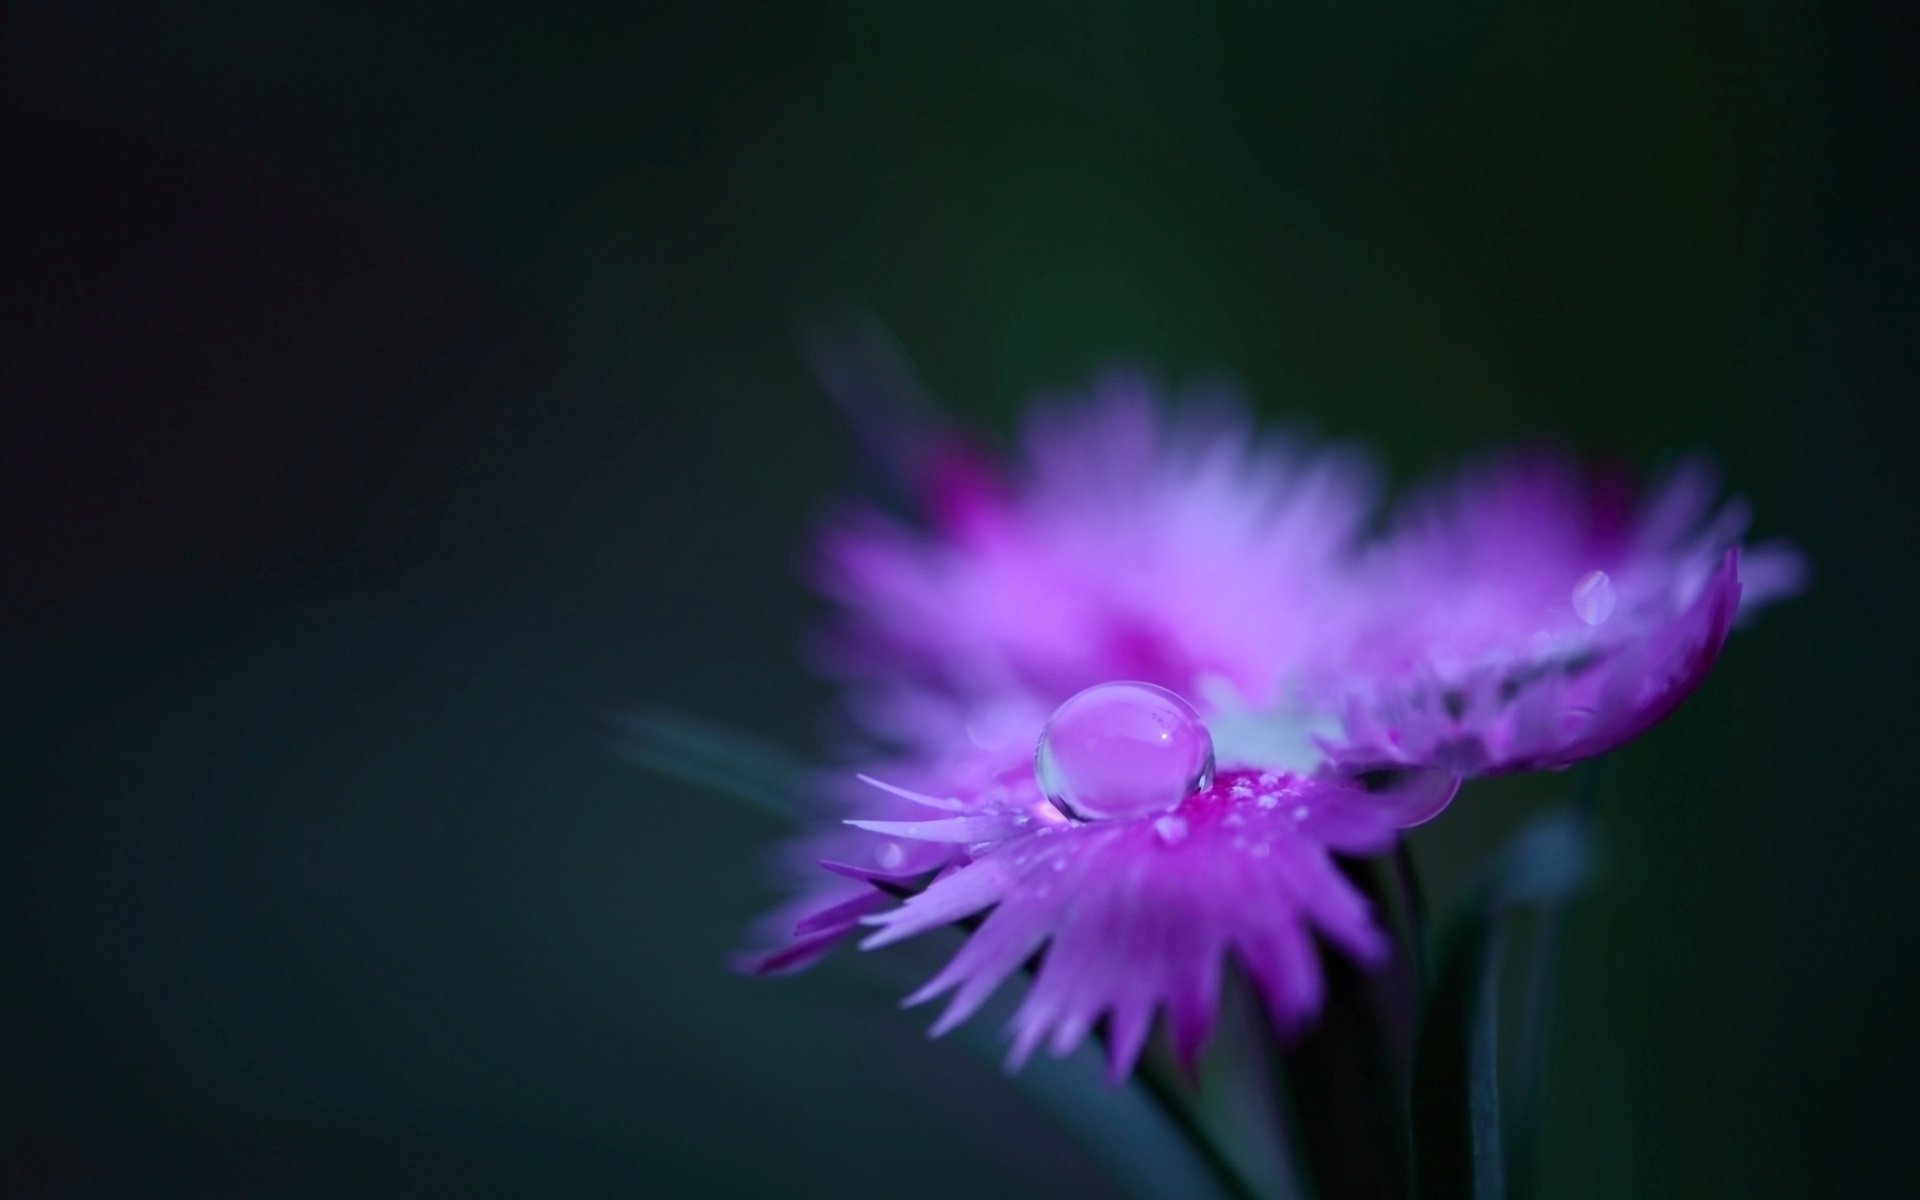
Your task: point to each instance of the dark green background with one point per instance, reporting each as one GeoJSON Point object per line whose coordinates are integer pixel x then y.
{"type": "Point", "coordinates": [391, 395]}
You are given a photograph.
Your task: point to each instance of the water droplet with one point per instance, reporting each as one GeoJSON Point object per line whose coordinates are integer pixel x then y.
{"type": "Point", "coordinates": [1593, 597]}
{"type": "Point", "coordinates": [1300, 812]}
{"type": "Point", "coordinates": [889, 855]}
{"type": "Point", "coordinates": [1268, 800]}
{"type": "Point", "coordinates": [1171, 829]}
{"type": "Point", "coordinates": [1123, 750]}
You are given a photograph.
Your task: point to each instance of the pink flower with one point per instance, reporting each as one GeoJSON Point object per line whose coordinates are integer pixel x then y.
{"type": "Point", "coordinates": [1521, 617]}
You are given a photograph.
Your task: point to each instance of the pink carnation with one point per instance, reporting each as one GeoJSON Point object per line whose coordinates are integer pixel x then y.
{"type": "Point", "coordinates": [1520, 617]}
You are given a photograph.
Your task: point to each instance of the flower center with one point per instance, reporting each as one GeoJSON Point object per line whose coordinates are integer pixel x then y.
{"type": "Point", "coordinates": [1122, 750]}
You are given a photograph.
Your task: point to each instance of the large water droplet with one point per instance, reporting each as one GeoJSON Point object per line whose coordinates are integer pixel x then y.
{"type": "Point", "coordinates": [1123, 750]}
{"type": "Point", "coordinates": [1593, 597]}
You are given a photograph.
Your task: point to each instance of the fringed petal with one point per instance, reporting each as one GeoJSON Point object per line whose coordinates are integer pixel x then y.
{"type": "Point", "coordinates": [1127, 919]}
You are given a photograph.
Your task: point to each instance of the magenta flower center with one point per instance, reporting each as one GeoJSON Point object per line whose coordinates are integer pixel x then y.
{"type": "Point", "coordinates": [1123, 750]}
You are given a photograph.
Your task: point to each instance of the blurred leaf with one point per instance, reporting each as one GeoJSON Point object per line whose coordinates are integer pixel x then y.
{"type": "Point", "coordinates": [1144, 1134]}
{"type": "Point", "coordinates": [1529, 1054]}
{"type": "Point", "coordinates": [1456, 1088]}
{"type": "Point", "coordinates": [719, 760]}
{"type": "Point", "coordinates": [1239, 1101]}
{"type": "Point", "coordinates": [1535, 1017]}
{"type": "Point", "coordinates": [1175, 1109]}
{"type": "Point", "coordinates": [887, 405]}
{"type": "Point", "coordinates": [1456, 1094]}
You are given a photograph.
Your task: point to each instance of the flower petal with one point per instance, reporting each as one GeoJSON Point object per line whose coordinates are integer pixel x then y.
{"type": "Point", "coordinates": [1136, 917]}
{"type": "Point", "coordinates": [1518, 716]}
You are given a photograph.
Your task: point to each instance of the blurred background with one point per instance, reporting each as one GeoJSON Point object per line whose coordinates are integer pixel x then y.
{"type": "Point", "coordinates": [392, 394]}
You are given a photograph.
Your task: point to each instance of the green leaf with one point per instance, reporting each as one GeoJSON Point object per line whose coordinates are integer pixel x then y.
{"type": "Point", "coordinates": [1530, 1053]}
{"type": "Point", "coordinates": [1146, 1150]}
{"type": "Point", "coordinates": [1238, 1099]}
{"type": "Point", "coordinates": [1456, 1089]}
{"type": "Point", "coordinates": [1535, 1019]}
{"type": "Point", "coordinates": [1457, 1119]}
{"type": "Point", "coordinates": [1147, 1135]}
{"type": "Point", "coordinates": [707, 756]}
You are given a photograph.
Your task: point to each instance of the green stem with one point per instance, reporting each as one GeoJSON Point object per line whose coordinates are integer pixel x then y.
{"type": "Point", "coordinates": [1413, 897]}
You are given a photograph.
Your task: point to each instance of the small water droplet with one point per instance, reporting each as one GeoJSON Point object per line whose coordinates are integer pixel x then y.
{"type": "Point", "coordinates": [1300, 812]}
{"type": "Point", "coordinates": [889, 855]}
{"type": "Point", "coordinates": [1123, 750]}
{"type": "Point", "coordinates": [1593, 597]}
{"type": "Point", "coordinates": [1171, 829]}
{"type": "Point", "coordinates": [1269, 800]}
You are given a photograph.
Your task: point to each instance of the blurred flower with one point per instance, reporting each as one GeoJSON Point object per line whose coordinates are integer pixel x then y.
{"type": "Point", "coordinates": [1212, 652]}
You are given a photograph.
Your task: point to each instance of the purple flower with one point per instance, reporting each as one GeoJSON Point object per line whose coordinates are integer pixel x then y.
{"type": "Point", "coordinates": [1194, 626]}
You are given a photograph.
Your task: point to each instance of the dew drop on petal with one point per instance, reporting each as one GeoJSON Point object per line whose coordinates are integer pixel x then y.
{"type": "Point", "coordinates": [889, 855]}
{"type": "Point", "coordinates": [1593, 597]}
{"type": "Point", "coordinates": [1171, 829]}
{"type": "Point", "coordinates": [1123, 750]}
